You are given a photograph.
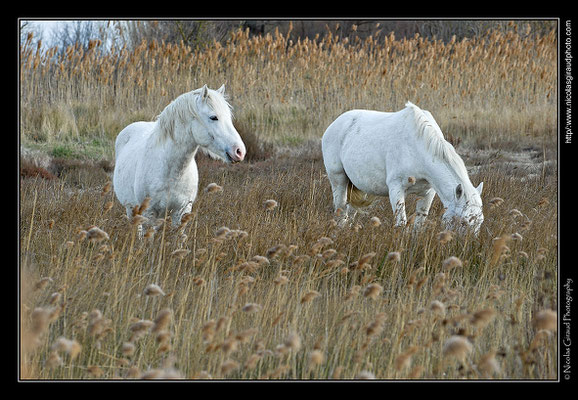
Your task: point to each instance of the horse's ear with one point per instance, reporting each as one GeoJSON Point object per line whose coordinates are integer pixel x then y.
{"type": "Point", "coordinates": [480, 187]}
{"type": "Point", "coordinates": [204, 92]}
{"type": "Point", "coordinates": [459, 191]}
{"type": "Point", "coordinates": [221, 90]}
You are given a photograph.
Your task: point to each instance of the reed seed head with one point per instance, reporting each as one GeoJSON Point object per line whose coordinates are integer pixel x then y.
{"type": "Point", "coordinates": [373, 290]}
{"type": "Point", "coordinates": [445, 236]}
{"type": "Point", "coordinates": [96, 234]}
{"type": "Point", "coordinates": [127, 349]}
{"type": "Point", "coordinates": [42, 283]}
{"type": "Point", "coordinates": [153, 290]}
{"type": "Point", "coordinates": [403, 361]}
{"type": "Point", "coordinates": [546, 320]}
{"type": "Point", "coordinates": [458, 347]}
{"type": "Point", "coordinates": [393, 256]}
{"type": "Point", "coordinates": [70, 347]}
{"type": "Point", "coordinates": [438, 307]}
{"type": "Point", "coordinates": [307, 297]}
{"type": "Point", "coordinates": [499, 247]}
{"type": "Point", "coordinates": [488, 365]}
{"type": "Point", "coordinates": [251, 307]}
{"type": "Point", "coordinates": [365, 375]}
{"type": "Point", "coordinates": [451, 263]}
{"type": "Point", "coordinates": [315, 358]}
{"type": "Point", "coordinates": [483, 317]}
{"type": "Point", "coordinates": [365, 259]}
{"type": "Point", "coordinates": [261, 260]}
{"type": "Point", "coordinates": [516, 236]}
{"type": "Point", "coordinates": [180, 253]}
{"type": "Point", "coordinates": [270, 204]}
{"type": "Point", "coordinates": [162, 320]}
{"type": "Point", "coordinates": [106, 188]}
{"type": "Point", "coordinates": [139, 328]}
{"type": "Point", "coordinates": [213, 188]}
{"type": "Point", "coordinates": [293, 342]}
{"type": "Point", "coordinates": [281, 280]}
{"type": "Point", "coordinates": [222, 232]}
{"type": "Point", "coordinates": [495, 202]}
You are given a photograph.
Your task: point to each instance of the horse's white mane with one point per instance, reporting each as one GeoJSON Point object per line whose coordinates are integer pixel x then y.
{"type": "Point", "coordinates": [436, 144]}
{"type": "Point", "coordinates": [184, 107]}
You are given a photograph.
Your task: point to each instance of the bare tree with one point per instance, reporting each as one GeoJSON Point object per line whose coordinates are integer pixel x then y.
{"type": "Point", "coordinates": [72, 33]}
{"type": "Point", "coordinates": [192, 33]}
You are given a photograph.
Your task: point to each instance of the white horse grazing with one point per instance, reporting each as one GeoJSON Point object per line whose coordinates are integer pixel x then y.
{"type": "Point", "coordinates": [157, 159]}
{"type": "Point", "coordinates": [394, 153]}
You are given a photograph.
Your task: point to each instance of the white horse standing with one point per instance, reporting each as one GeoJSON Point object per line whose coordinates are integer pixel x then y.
{"type": "Point", "coordinates": [395, 153]}
{"type": "Point", "coordinates": [157, 159]}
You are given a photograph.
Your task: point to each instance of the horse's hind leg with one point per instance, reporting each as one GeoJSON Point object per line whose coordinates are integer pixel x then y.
{"type": "Point", "coordinates": [339, 182]}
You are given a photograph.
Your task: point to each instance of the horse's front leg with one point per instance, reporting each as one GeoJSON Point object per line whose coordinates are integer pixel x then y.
{"type": "Point", "coordinates": [422, 208]}
{"type": "Point", "coordinates": [397, 200]}
{"type": "Point", "coordinates": [186, 209]}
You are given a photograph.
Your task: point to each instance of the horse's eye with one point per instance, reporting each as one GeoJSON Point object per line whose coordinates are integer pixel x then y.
{"type": "Point", "coordinates": [214, 118]}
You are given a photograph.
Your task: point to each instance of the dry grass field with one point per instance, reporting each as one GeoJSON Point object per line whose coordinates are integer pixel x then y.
{"type": "Point", "coordinates": [249, 288]}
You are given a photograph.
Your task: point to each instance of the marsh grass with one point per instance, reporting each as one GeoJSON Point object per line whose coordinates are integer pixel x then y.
{"type": "Point", "coordinates": [260, 282]}
{"type": "Point", "coordinates": [242, 291]}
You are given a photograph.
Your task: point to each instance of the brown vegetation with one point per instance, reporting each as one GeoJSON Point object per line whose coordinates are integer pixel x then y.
{"type": "Point", "coordinates": [260, 282]}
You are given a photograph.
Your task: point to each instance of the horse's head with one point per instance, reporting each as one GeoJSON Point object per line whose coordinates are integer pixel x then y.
{"type": "Point", "coordinates": [465, 210]}
{"type": "Point", "coordinates": [214, 130]}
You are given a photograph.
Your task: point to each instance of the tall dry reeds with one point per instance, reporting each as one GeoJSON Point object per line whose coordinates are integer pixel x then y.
{"type": "Point", "coordinates": [493, 87]}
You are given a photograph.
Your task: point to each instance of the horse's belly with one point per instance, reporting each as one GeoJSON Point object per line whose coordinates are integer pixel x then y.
{"type": "Point", "coordinates": [368, 180]}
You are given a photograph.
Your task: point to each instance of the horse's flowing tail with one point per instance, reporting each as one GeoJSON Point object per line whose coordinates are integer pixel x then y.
{"type": "Point", "coordinates": [358, 198]}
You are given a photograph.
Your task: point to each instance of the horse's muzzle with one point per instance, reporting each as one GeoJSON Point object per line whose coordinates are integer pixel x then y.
{"type": "Point", "coordinates": [236, 155]}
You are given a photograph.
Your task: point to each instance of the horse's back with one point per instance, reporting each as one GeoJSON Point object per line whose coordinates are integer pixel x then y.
{"type": "Point", "coordinates": [368, 146]}
{"type": "Point", "coordinates": [135, 132]}
{"type": "Point", "coordinates": [365, 130]}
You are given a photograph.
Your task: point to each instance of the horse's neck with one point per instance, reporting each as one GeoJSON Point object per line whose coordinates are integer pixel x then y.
{"type": "Point", "coordinates": [444, 181]}
{"type": "Point", "coordinates": [180, 151]}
